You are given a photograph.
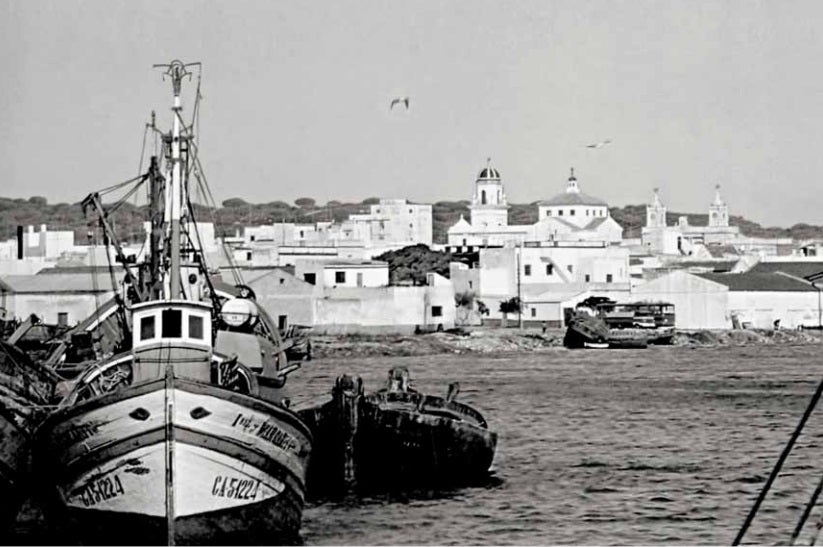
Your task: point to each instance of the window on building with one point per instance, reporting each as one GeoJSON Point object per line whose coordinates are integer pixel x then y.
{"type": "Point", "coordinates": [251, 238]}
{"type": "Point", "coordinates": [470, 284]}
{"type": "Point", "coordinates": [608, 278]}
{"type": "Point", "coordinates": [62, 319]}
{"type": "Point", "coordinates": [248, 255]}
{"type": "Point", "coordinates": [411, 212]}
{"type": "Point", "coordinates": [527, 269]}
{"type": "Point", "coordinates": [310, 278]}
{"type": "Point", "coordinates": [588, 278]}
{"type": "Point", "coordinates": [196, 327]}
{"type": "Point", "coordinates": [464, 241]}
{"type": "Point", "coordinates": [359, 279]}
{"type": "Point", "coordinates": [570, 268]}
{"type": "Point", "coordinates": [560, 212]}
{"type": "Point", "coordinates": [534, 312]}
{"type": "Point", "coordinates": [548, 213]}
{"type": "Point", "coordinates": [172, 324]}
{"type": "Point", "coordinates": [411, 225]}
{"type": "Point", "coordinates": [482, 197]}
{"type": "Point", "coordinates": [301, 233]}
{"type": "Point", "coordinates": [437, 311]}
{"type": "Point", "coordinates": [147, 331]}
{"type": "Point", "coordinates": [549, 269]}
{"type": "Point", "coordinates": [485, 241]}
{"type": "Point", "coordinates": [282, 280]}
{"type": "Point", "coordinates": [571, 212]}
{"type": "Point", "coordinates": [339, 277]}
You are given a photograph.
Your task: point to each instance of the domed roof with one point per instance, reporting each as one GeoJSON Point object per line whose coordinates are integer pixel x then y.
{"type": "Point", "coordinates": [488, 172]}
{"type": "Point", "coordinates": [573, 196]}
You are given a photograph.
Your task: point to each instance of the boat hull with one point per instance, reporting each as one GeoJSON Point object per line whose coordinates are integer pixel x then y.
{"type": "Point", "coordinates": [176, 461]}
{"type": "Point", "coordinates": [397, 440]}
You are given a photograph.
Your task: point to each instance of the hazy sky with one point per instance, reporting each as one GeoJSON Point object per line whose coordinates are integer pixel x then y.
{"type": "Point", "coordinates": [296, 98]}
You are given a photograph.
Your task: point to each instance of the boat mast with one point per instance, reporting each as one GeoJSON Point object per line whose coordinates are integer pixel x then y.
{"type": "Point", "coordinates": [175, 191]}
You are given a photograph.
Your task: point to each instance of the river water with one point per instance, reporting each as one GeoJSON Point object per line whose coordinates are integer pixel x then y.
{"type": "Point", "coordinates": [655, 446]}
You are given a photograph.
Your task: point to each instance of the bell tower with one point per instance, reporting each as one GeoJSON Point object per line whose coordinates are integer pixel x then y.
{"type": "Point", "coordinates": [489, 206]}
{"type": "Point", "coordinates": [718, 210]}
{"type": "Point", "coordinates": [656, 212]}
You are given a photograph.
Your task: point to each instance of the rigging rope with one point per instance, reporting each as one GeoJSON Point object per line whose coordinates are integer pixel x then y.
{"type": "Point", "coordinates": [786, 450]}
{"type": "Point", "coordinates": [806, 512]}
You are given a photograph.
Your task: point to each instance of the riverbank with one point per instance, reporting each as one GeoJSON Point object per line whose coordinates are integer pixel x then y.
{"type": "Point", "coordinates": [499, 340]}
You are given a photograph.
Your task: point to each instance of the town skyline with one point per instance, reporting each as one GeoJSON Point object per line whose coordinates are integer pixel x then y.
{"type": "Point", "coordinates": [297, 99]}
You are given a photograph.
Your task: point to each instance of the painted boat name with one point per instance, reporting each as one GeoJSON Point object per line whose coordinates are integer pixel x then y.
{"type": "Point", "coordinates": [101, 490]}
{"type": "Point", "coordinates": [239, 489]}
{"type": "Point", "coordinates": [268, 431]}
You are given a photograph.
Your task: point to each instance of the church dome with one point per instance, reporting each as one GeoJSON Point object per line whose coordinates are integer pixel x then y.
{"type": "Point", "coordinates": [573, 196]}
{"type": "Point", "coordinates": [488, 172]}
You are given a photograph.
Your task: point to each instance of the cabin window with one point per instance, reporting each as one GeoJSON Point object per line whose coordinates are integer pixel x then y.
{"type": "Point", "coordinates": [527, 269]}
{"type": "Point", "coordinates": [437, 311]}
{"type": "Point", "coordinates": [549, 269]}
{"type": "Point", "coordinates": [196, 327]}
{"type": "Point", "coordinates": [339, 277]}
{"type": "Point", "coordinates": [608, 278]}
{"type": "Point", "coordinates": [172, 322]}
{"type": "Point", "coordinates": [147, 331]}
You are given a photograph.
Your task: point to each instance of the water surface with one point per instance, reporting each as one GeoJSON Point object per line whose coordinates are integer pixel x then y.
{"type": "Point", "coordinates": [655, 446]}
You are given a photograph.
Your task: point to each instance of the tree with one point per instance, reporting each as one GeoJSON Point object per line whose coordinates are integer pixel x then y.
{"type": "Point", "coordinates": [464, 299]}
{"type": "Point", "coordinates": [482, 308]}
{"type": "Point", "coordinates": [40, 201]}
{"type": "Point", "coordinates": [305, 203]}
{"type": "Point", "coordinates": [370, 201]}
{"type": "Point", "coordinates": [512, 305]}
{"type": "Point", "coordinates": [235, 202]}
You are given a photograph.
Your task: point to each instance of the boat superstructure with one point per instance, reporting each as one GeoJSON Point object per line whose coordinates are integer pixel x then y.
{"type": "Point", "coordinates": [181, 434]}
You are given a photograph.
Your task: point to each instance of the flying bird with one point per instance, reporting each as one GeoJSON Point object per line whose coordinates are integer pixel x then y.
{"type": "Point", "coordinates": [598, 144]}
{"type": "Point", "coordinates": [399, 100]}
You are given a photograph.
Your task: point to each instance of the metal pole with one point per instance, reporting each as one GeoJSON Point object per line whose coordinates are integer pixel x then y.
{"type": "Point", "coordinates": [786, 450]}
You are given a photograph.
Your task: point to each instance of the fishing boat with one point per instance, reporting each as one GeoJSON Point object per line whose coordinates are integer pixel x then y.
{"type": "Point", "coordinates": [601, 322]}
{"type": "Point", "coordinates": [181, 431]}
{"type": "Point", "coordinates": [397, 437]}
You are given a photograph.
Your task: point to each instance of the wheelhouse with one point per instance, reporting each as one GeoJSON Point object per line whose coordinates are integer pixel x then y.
{"type": "Point", "coordinates": [173, 322]}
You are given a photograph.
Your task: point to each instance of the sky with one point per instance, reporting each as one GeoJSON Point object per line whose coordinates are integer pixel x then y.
{"type": "Point", "coordinates": [296, 95]}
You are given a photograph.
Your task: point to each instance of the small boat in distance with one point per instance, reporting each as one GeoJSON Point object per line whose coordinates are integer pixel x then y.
{"type": "Point", "coordinates": [182, 432]}
{"type": "Point", "coordinates": [600, 321]}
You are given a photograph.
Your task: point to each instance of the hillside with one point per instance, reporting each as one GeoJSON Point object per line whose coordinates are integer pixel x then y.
{"type": "Point", "coordinates": [236, 213]}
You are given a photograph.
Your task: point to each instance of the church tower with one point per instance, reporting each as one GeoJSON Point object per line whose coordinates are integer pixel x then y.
{"type": "Point", "coordinates": [718, 210]}
{"type": "Point", "coordinates": [656, 212]}
{"type": "Point", "coordinates": [489, 207]}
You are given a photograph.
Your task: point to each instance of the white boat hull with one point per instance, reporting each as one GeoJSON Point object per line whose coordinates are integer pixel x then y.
{"type": "Point", "coordinates": [178, 461]}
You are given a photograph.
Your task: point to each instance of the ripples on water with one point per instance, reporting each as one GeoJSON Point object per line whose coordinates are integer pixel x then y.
{"type": "Point", "coordinates": [664, 445]}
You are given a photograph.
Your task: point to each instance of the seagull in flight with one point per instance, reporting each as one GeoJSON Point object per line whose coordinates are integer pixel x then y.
{"type": "Point", "coordinates": [599, 144]}
{"type": "Point", "coordinates": [399, 100]}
